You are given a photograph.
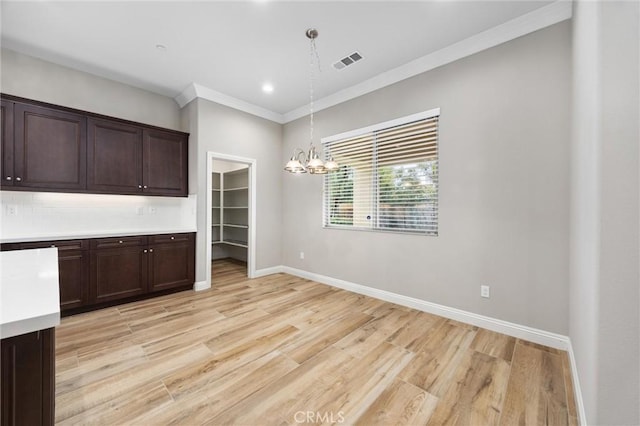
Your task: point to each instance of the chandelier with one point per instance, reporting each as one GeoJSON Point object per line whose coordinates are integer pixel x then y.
{"type": "Point", "coordinates": [311, 162]}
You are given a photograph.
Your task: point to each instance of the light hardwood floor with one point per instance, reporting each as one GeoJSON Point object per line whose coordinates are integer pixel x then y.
{"type": "Point", "coordinates": [284, 350]}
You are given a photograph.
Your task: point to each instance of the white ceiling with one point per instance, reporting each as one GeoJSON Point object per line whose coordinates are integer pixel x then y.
{"type": "Point", "coordinates": [229, 49]}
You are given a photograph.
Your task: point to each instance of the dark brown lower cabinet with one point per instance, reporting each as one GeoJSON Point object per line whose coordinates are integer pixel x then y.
{"type": "Point", "coordinates": [131, 266]}
{"type": "Point", "coordinates": [28, 379]}
{"type": "Point", "coordinates": [73, 275]}
{"type": "Point", "coordinates": [171, 262]}
{"type": "Point", "coordinates": [118, 273]}
{"type": "Point", "coordinates": [97, 272]}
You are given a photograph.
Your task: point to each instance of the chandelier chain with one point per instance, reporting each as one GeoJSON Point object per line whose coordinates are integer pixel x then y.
{"type": "Point", "coordinates": [313, 54]}
{"type": "Point", "coordinates": [311, 162]}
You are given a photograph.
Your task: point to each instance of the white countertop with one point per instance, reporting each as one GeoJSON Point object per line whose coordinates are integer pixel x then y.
{"type": "Point", "coordinates": [97, 234]}
{"type": "Point", "coordinates": [29, 293]}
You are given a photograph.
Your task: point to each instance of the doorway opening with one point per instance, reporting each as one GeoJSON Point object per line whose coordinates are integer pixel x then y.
{"type": "Point", "coordinates": [230, 217]}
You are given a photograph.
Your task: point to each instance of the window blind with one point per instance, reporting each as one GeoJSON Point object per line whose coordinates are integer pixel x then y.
{"type": "Point", "coordinates": [388, 177]}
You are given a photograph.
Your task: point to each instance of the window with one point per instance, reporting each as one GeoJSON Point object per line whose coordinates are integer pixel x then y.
{"type": "Point", "coordinates": [388, 177]}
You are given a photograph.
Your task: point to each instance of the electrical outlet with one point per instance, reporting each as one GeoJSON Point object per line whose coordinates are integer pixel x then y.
{"type": "Point", "coordinates": [301, 255]}
{"type": "Point", "coordinates": [12, 210]}
{"type": "Point", "coordinates": [485, 291]}
{"type": "Point", "coordinates": [139, 211]}
{"type": "Point", "coordinates": [152, 210]}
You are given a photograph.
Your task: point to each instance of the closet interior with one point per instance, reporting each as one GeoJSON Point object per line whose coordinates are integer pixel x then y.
{"type": "Point", "coordinates": [230, 212]}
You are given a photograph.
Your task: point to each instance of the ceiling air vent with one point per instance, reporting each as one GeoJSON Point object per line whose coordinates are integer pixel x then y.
{"type": "Point", "coordinates": [347, 60]}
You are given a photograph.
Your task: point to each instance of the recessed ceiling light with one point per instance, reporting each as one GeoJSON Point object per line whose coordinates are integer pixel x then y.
{"type": "Point", "coordinates": [267, 88]}
{"type": "Point", "coordinates": [161, 47]}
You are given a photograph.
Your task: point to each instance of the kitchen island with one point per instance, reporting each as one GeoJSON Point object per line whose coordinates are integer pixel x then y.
{"type": "Point", "coordinates": [29, 311]}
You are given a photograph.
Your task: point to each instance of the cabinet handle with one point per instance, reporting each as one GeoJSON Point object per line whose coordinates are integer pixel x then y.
{"type": "Point", "coordinates": [8, 178]}
{"type": "Point", "coordinates": [18, 179]}
{"type": "Point", "coordinates": [139, 186]}
{"type": "Point", "coordinates": [145, 250]}
{"type": "Point", "coordinates": [145, 187]}
{"type": "Point", "coordinates": [173, 238]}
{"type": "Point", "coordinates": [150, 250]}
{"type": "Point", "coordinates": [120, 241]}
{"type": "Point", "coordinates": [53, 245]}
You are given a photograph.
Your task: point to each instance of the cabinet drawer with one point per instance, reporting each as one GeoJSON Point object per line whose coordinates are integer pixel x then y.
{"type": "Point", "coordinates": [104, 243]}
{"type": "Point", "coordinates": [169, 238]}
{"type": "Point", "coordinates": [61, 245]}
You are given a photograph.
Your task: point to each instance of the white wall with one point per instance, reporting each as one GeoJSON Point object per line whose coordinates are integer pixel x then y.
{"type": "Point", "coordinates": [227, 131]}
{"type": "Point", "coordinates": [605, 237]}
{"type": "Point", "coordinates": [504, 187]}
{"type": "Point", "coordinates": [33, 78]}
{"type": "Point", "coordinates": [619, 295]}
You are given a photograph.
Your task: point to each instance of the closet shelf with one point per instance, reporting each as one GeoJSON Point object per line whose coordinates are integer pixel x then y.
{"type": "Point", "coordinates": [231, 214]}
{"type": "Point", "coordinates": [237, 243]}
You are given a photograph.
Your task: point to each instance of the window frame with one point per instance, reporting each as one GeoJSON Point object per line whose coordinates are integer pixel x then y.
{"type": "Point", "coordinates": [435, 112]}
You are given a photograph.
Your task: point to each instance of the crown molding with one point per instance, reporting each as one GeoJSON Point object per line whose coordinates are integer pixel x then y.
{"type": "Point", "coordinates": [543, 17]}
{"type": "Point", "coordinates": [186, 96]}
{"type": "Point", "coordinates": [195, 90]}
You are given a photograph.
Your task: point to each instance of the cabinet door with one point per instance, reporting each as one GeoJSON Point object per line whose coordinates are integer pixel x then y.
{"type": "Point", "coordinates": [171, 265]}
{"type": "Point", "coordinates": [118, 273]}
{"type": "Point", "coordinates": [73, 274]}
{"type": "Point", "coordinates": [114, 157]}
{"type": "Point", "coordinates": [6, 134]}
{"type": "Point", "coordinates": [165, 163]}
{"type": "Point", "coordinates": [49, 148]}
{"type": "Point", "coordinates": [28, 379]}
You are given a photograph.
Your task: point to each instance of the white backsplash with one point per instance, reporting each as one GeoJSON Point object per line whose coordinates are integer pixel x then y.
{"type": "Point", "coordinates": [47, 215]}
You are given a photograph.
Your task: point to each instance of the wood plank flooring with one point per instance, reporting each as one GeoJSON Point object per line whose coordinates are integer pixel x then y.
{"type": "Point", "coordinates": [281, 350]}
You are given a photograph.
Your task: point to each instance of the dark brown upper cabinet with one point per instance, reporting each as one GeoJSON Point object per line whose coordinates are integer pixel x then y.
{"type": "Point", "coordinates": [48, 149]}
{"type": "Point", "coordinates": [164, 167]}
{"type": "Point", "coordinates": [6, 133]}
{"type": "Point", "coordinates": [115, 157]}
{"type": "Point", "coordinates": [51, 148]}
{"type": "Point", "coordinates": [128, 159]}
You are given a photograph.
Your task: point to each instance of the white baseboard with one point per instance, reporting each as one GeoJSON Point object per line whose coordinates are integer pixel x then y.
{"type": "Point", "coordinates": [268, 271]}
{"type": "Point", "coordinates": [542, 337]}
{"type": "Point", "coordinates": [200, 285]}
{"type": "Point", "coordinates": [582, 415]}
